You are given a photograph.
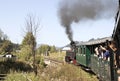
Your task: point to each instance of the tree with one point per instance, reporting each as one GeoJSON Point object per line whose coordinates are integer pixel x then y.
{"type": "Point", "coordinates": [16, 47]}
{"type": "Point", "coordinates": [6, 47]}
{"type": "Point", "coordinates": [5, 44]}
{"type": "Point", "coordinates": [3, 36]}
{"type": "Point", "coordinates": [53, 49]}
{"type": "Point", "coordinates": [29, 39]}
{"type": "Point", "coordinates": [43, 49]}
{"type": "Point", "coordinates": [25, 52]}
{"type": "Point", "coordinates": [27, 45]}
{"type": "Point", "coordinates": [31, 26]}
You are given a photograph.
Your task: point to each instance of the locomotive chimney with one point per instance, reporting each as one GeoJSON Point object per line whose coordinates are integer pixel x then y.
{"type": "Point", "coordinates": [73, 45]}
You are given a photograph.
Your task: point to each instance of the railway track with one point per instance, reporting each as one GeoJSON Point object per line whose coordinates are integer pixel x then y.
{"type": "Point", "coordinates": [52, 62]}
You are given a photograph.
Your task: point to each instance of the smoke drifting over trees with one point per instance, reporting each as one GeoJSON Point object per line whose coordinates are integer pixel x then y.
{"type": "Point", "coordinates": [76, 10]}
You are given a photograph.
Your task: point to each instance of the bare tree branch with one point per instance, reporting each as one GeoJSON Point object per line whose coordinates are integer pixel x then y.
{"type": "Point", "coordinates": [32, 26]}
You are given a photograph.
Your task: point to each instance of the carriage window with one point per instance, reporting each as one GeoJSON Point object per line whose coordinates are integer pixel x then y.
{"type": "Point", "coordinates": [81, 50]}
{"type": "Point", "coordinates": [76, 50]}
{"type": "Point", "coordinates": [84, 50]}
{"type": "Point", "coordinates": [91, 50]}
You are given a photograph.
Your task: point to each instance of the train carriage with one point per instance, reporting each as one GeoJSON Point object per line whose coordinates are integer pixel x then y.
{"type": "Point", "coordinates": [86, 56]}
{"type": "Point", "coordinates": [83, 54]}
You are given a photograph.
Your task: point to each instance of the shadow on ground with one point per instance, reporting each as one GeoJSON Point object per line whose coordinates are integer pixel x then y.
{"type": "Point", "coordinates": [18, 66]}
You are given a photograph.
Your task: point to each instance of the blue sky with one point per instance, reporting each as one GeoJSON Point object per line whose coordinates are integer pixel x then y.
{"type": "Point", "coordinates": [12, 22]}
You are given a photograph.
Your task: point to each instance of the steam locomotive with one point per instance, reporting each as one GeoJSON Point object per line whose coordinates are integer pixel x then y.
{"type": "Point", "coordinates": [83, 53]}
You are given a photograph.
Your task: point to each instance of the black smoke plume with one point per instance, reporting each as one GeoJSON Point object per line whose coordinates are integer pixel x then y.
{"type": "Point", "coordinates": [76, 10]}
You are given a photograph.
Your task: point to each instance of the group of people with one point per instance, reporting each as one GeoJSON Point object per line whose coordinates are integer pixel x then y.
{"type": "Point", "coordinates": [106, 50]}
{"type": "Point", "coordinates": [102, 52]}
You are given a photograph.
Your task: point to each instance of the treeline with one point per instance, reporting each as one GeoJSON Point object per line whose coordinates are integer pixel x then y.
{"type": "Point", "coordinates": [26, 47]}
{"type": "Point", "coordinates": [43, 49]}
{"type": "Point", "coordinates": [6, 46]}
{"type": "Point", "coordinates": [23, 49]}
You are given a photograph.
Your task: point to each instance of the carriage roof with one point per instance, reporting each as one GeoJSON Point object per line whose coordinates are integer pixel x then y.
{"type": "Point", "coordinates": [95, 41]}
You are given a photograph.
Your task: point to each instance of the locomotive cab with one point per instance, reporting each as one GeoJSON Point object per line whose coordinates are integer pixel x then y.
{"type": "Point", "coordinates": [71, 54]}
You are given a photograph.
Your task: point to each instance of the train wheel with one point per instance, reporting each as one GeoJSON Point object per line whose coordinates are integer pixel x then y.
{"type": "Point", "coordinates": [67, 59]}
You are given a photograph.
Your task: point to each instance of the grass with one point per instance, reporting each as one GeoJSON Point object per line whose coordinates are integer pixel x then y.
{"type": "Point", "coordinates": [58, 56]}
{"type": "Point", "coordinates": [65, 72]}
{"type": "Point", "coordinates": [69, 72]}
{"type": "Point", "coordinates": [19, 76]}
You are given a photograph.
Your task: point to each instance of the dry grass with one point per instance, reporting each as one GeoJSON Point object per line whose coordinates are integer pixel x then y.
{"type": "Point", "coordinates": [65, 72]}
{"type": "Point", "coordinates": [68, 72]}
{"type": "Point", "coordinates": [58, 56]}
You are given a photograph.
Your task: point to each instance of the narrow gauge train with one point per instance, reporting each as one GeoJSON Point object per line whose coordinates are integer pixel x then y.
{"type": "Point", "coordinates": [84, 54]}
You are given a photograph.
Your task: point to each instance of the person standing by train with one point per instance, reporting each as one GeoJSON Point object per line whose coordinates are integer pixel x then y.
{"type": "Point", "coordinates": [116, 52]}
{"type": "Point", "coordinates": [116, 59]}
